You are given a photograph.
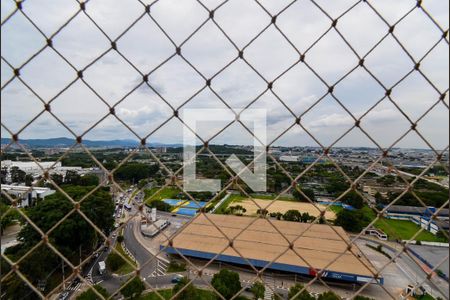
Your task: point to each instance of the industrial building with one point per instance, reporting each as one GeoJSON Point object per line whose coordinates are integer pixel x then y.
{"type": "Point", "coordinates": [421, 216]}
{"type": "Point", "coordinates": [319, 248]}
{"type": "Point", "coordinates": [27, 195]}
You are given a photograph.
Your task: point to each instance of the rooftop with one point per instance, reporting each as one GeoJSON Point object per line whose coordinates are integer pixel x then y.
{"type": "Point", "coordinates": [319, 245]}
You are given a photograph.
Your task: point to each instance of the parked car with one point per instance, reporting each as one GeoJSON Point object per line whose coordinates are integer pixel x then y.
{"type": "Point", "coordinates": [177, 278]}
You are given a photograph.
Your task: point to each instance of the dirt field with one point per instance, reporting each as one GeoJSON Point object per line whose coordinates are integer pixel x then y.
{"type": "Point", "coordinates": [283, 206]}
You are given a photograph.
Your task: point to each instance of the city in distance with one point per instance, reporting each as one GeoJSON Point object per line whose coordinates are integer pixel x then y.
{"type": "Point", "coordinates": [339, 192]}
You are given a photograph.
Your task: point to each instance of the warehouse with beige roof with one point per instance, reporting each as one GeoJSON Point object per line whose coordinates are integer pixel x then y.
{"type": "Point", "coordinates": [298, 248]}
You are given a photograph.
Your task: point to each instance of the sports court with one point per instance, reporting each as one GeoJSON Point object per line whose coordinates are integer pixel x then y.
{"type": "Point", "coordinates": [184, 207]}
{"type": "Point", "coordinates": [283, 206]}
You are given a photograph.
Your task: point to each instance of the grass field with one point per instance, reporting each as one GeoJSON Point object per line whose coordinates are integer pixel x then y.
{"type": "Point", "coordinates": [404, 230]}
{"type": "Point", "coordinates": [232, 198]}
{"type": "Point", "coordinates": [166, 193]}
{"type": "Point", "coordinates": [175, 267]}
{"type": "Point", "coordinates": [129, 266]}
{"type": "Point", "coordinates": [336, 209]}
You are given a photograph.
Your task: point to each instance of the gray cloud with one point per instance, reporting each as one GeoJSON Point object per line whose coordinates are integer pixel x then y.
{"type": "Point", "coordinates": [145, 46]}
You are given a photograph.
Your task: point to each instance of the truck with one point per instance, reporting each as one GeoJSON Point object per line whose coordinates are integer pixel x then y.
{"type": "Point", "coordinates": [101, 267]}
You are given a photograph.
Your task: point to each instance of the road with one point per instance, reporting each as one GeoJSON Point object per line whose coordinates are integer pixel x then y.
{"type": "Point", "coordinates": [140, 253]}
{"type": "Point", "coordinates": [406, 271]}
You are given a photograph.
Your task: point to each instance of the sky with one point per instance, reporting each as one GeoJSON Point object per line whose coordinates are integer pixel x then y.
{"type": "Point", "coordinates": [270, 57]}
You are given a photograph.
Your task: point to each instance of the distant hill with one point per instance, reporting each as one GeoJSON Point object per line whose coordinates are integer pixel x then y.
{"type": "Point", "coordinates": [67, 142]}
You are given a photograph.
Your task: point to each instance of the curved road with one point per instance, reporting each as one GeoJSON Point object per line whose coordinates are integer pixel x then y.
{"type": "Point", "coordinates": [435, 286]}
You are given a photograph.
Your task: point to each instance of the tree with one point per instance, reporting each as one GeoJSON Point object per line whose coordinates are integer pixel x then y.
{"type": "Point", "coordinates": [354, 199]}
{"type": "Point", "coordinates": [292, 215]}
{"type": "Point", "coordinates": [28, 180]}
{"type": "Point", "coordinates": [308, 192]}
{"type": "Point", "coordinates": [329, 296]}
{"type": "Point", "coordinates": [442, 235]}
{"type": "Point", "coordinates": [134, 172]}
{"type": "Point", "coordinates": [236, 210]}
{"type": "Point", "coordinates": [120, 238]}
{"type": "Point", "coordinates": [305, 218]}
{"type": "Point", "coordinates": [359, 297]}
{"type": "Point", "coordinates": [258, 290]}
{"type": "Point", "coordinates": [114, 261]}
{"type": "Point", "coordinates": [57, 178]}
{"type": "Point", "coordinates": [74, 231]}
{"type": "Point", "coordinates": [160, 205]}
{"type": "Point", "coordinates": [3, 174]}
{"type": "Point", "coordinates": [89, 180]}
{"type": "Point", "coordinates": [227, 283]}
{"type": "Point", "coordinates": [17, 175]}
{"type": "Point", "coordinates": [295, 289]}
{"type": "Point", "coordinates": [91, 295]}
{"type": "Point", "coordinates": [8, 217]}
{"type": "Point", "coordinates": [379, 198]}
{"type": "Point", "coordinates": [190, 292]}
{"type": "Point", "coordinates": [142, 183]}
{"type": "Point", "coordinates": [72, 177]}
{"type": "Point", "coordinates": [387, 180]}
{"type": "Point", "coordinates": [262, 212]}
{"type": "Point", "coordinates": [133, 289]}
{"type": "Point", "coordinates": [353, 221]}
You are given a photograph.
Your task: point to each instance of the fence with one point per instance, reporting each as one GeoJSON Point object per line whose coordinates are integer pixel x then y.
{"type": "Point", "coordinates": [60, 77]}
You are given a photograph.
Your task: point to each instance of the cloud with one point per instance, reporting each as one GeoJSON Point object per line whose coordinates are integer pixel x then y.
{"type": "Point", "coordinates": [209, 54]}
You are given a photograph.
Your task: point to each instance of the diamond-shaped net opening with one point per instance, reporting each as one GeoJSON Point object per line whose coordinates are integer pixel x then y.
{"type": "Point", "coordinates": [96, 104]}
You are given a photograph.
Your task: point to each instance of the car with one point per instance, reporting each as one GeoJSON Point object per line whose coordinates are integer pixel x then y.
{"type": "Point", "coordinates": [63, 295]}
{"type": "Point", "coordinates": [177, 278]}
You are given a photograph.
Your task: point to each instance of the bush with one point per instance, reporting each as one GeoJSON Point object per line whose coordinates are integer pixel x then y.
{"type": "Point", "coordinates": [120, 238]}
{"type": "Point", "coordinates": [329, 296]}
{"type": "Point", "coordinates": [114, 261]}
{"type": "Point", "coordinates": [160, 205]}
{"type": "Point", "coordinates": [362, 298]}
{"type": "Point", "coordinates": [354, 199]}
{"type": "Point", "coordinates": [258, 290]}
{"type": "Point", "coordinates": [227, 283]}
{"type": "Point", "coordinates": [262, 212]}
{"type": "Point", "coordinates": [133, 289]}
{"type": "Point", "coordinates": [176, 267]}
{"type": "Point", "coordinates": [190, 292]}
{"type": "Point", "coordinates": [292, 215]}
{"type": "Point", "coordinates": [295, 289]}
{"type": "Point", "coordinates": [89, 180]}
{"type": "Point", "coordinates": [91, 295]}
{"type": "Point", "coordinates": [308, 193]}
{"type": "Point", "coordinates": [353, 221]}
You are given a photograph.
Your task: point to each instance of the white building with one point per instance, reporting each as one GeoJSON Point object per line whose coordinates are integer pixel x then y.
{"type": "Point", "coordinates": [30, 167]}
{"type": "Point", "coordinates": [289, 158]}
{"type": "Point", "coordinates": [27, 195]}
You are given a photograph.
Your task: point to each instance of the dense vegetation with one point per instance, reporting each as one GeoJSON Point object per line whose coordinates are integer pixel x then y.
{"type": "Point", "coordinates": [431, 194]}
{"type": "Point", "coordinates": [91, 295]}
{"type": "Point", "coordinates": [71, 237]}
{"type": "Point", "coordinates": [134, 172]}
{"type": "Point", "coordinates": [354, 221]}
{"type": "Point", "coordinates": [227, 283]}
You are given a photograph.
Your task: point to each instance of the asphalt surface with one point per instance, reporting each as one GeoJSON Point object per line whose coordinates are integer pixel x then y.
{"type": "Point", "coordinates": [408, 271]}
{"type": "Point", "coordinates": [436, 256]}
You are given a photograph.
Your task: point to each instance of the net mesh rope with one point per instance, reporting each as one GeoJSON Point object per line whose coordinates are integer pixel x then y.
{"type": "Point", "coordinates": [242, 55]}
